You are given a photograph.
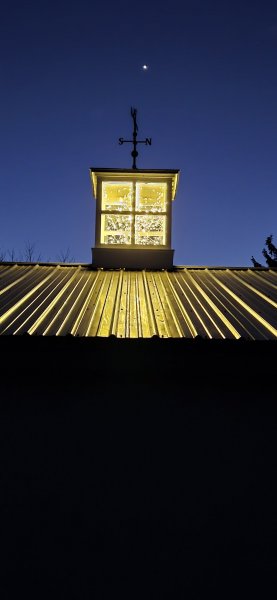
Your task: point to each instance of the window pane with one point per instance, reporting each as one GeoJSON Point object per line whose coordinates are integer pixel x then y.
{"type": "Point", "coordinates": [150, 230]}
{"type": "Point", "coordinates": [151, 197]}
{"type": "Point", "coordinates": [117, 196]}
{"type": "Point", "coordinates": [116, 229]}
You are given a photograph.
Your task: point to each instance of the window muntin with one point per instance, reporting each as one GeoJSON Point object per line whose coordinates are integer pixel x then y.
{"type": "Point", "coordinates": [141, 227]}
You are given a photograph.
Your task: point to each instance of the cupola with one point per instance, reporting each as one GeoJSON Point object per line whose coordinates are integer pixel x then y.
{"type": "Point", "coordinates": [133, 215]}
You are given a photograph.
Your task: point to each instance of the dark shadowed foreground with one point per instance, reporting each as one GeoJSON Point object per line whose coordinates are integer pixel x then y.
{"type": "Point", "coordinates": [138, 468]}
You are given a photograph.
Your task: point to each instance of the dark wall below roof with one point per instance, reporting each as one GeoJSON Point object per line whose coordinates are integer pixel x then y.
{"type": "Point", "coordinates": [139, 468]}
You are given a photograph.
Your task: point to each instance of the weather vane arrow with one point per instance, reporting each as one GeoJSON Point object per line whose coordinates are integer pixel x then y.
{"type": "Point", "coordinates": [134, 141]}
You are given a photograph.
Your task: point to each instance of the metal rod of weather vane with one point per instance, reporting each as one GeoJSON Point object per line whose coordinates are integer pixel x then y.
{"type": "Point", "coordinates": [134, 141]}
{"type": "Point", "coordinates": [134, 152]}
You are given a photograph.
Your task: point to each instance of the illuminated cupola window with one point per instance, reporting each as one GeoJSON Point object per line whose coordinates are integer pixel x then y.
{"type": "Point", "coordinates": [133, 217]}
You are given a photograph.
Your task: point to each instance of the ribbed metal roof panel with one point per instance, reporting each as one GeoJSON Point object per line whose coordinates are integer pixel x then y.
{"type": "Point", "coordinates": [214, 303]}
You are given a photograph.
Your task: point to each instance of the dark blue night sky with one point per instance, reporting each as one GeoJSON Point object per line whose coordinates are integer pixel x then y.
{"type": "Point", "coordinates": [70, 71]}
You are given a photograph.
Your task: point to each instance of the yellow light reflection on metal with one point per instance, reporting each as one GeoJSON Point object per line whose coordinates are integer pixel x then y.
{"type": "Point", "coordinates": [246, 306]}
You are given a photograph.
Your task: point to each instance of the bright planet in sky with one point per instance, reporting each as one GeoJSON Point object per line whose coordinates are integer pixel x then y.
{"type": "Point", "coordinates": [145, 67]}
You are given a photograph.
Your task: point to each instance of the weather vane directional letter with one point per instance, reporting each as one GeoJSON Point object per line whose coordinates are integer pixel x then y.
{"type": "Point", "coordinates": [134, 141]}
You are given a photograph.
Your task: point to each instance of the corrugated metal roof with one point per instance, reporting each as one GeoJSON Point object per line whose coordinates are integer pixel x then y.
{"type": "Point", "coordinates": [215, 303]}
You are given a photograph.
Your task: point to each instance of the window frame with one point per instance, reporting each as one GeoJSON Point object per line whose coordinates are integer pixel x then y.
{"type": "Point", "coordinates": [134, 212]}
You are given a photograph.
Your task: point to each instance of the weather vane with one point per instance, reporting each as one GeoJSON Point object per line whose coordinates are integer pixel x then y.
{"type": "Point", "coordinates": [134, 141]}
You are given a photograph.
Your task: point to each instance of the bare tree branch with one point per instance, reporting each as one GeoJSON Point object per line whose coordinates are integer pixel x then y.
{"type": "Point", "coordinates": [65, 256]}
{"type": "Point", "coordinates": [2, 255]}
{"type": "Point", "coordinates": [29, 252]}
{"type": "Point", "coordinates": [11, 254]}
